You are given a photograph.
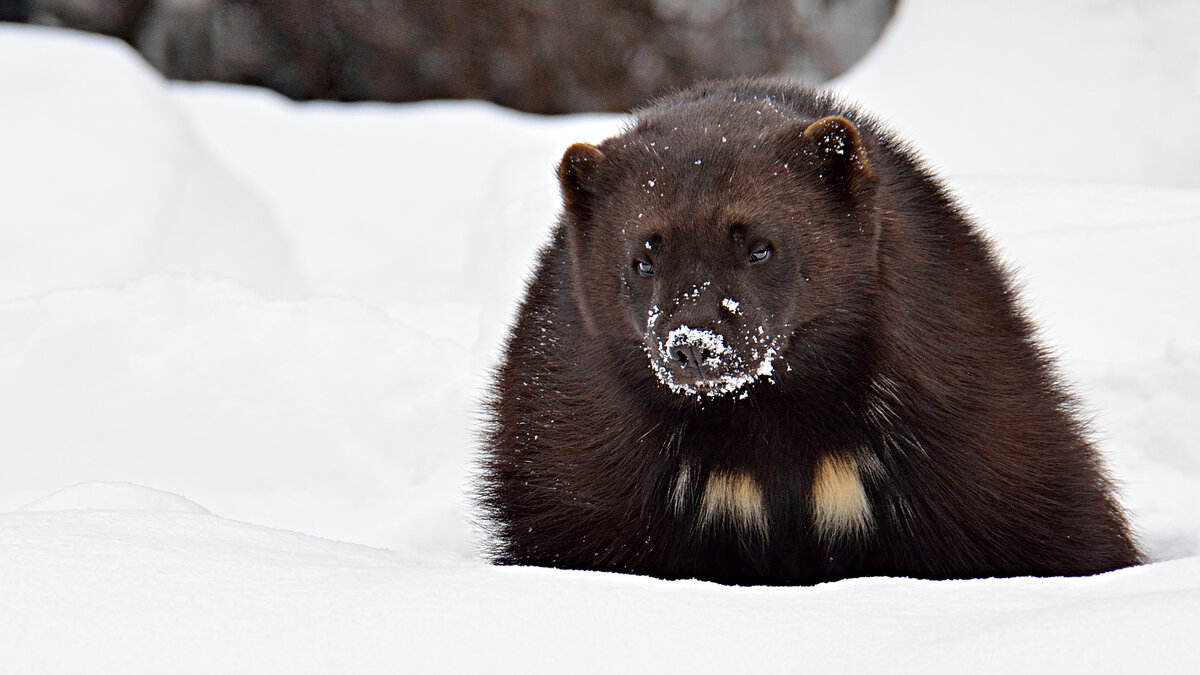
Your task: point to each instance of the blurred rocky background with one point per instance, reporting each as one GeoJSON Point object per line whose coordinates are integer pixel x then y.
{"type": "Point", "coordinates": [545, 56]}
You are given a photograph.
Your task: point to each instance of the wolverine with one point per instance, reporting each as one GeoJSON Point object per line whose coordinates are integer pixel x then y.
{"type": "Point", "coordinates": [765, 345]}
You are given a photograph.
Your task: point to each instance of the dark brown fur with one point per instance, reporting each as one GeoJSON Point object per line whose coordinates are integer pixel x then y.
{"type": "Point", "coordinates": [899, 346]}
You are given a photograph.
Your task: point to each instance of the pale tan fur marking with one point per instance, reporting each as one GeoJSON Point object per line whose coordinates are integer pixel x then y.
{"type": "Point", "coordinates": [734, 498]}
{"type": "Point", "coordinates": [839, 501]}
{"type": "Point", "coordinates": [683, 483]}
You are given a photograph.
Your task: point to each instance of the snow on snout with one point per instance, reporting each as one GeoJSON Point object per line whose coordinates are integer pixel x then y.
{"type": "Point", "coordinates": [725, 367]}
{"type": "Point", "coordinates": [712, 344]}
{"type": "Point", "coordinates": [733, 370]}
{"type": "Point", "coordinates": [652, 317]}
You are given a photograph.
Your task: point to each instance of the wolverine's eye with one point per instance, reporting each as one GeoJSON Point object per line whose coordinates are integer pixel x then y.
{"type": "Point", "coordinates": [644, 267]}
{"type": "Point", "coordinates": [759, 253]}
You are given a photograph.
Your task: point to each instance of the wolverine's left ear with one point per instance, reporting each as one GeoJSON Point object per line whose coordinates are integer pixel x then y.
{"type": "Point", "coordinates": [576, 173]}
{"type": "Point", "coordinates": [835, 148]}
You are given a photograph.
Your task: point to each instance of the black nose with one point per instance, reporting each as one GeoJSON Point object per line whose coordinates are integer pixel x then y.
{"type": "Point", "coordinates": [691, 356]}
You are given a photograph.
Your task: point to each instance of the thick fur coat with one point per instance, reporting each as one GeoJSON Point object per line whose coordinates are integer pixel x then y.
{"type": "Point", "coordinates": [765, 346]}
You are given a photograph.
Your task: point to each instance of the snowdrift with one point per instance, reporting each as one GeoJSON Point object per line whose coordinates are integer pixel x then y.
{"type": "Point", "coordinates": [243, 341]}
{"type": "Point", "coordinates": [1079, 89]}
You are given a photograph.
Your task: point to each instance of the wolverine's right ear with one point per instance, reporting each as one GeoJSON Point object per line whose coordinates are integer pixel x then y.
{"type": "Point", "coordinates": [576, 175]}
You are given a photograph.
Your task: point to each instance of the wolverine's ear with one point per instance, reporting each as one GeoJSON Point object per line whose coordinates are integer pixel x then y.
{"type": "Point", "coordinates": [577, 180]}
{"type": "Point", "coordinates": [836, 149]}
{"type": "Point", "coordinates": [576, 176]}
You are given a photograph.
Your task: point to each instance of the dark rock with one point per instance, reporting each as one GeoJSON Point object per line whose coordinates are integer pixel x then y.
{"type": "Point", "coordinates": [545, 56]}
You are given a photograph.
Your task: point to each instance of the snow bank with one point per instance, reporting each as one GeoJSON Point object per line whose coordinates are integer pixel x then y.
{"type": "Point", "coordinates": [428, 200]}
{"type": "Point", "coordinates": [102, 179]}
{"type": "Point", "coordinates": [113, 496]}
{"type": "Point", "coordinates": [130, 591]}
{"type": "Point", "coordinates": [285, 313]}
{"type": "Point", "coordinates": [1077, 89]}
{"type": "Point", "coordinates": [323, 415]}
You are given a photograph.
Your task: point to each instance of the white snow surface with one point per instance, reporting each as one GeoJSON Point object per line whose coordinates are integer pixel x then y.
{"type": "Point", "coordinates": [243, 343]}
{"type": "Point", "coordinates": [1098, 90]}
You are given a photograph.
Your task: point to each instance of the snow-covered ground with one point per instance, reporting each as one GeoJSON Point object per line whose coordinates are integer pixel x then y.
{"type": "Point", "coordinates": [242, 344]}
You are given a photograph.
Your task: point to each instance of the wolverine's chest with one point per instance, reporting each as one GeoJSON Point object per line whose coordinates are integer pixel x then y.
{"type": "Point", "coordinates": [827, 498]}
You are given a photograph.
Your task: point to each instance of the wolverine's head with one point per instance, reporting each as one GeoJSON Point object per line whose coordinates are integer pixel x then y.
{"type": "Point", "coordinates": [711, 233]}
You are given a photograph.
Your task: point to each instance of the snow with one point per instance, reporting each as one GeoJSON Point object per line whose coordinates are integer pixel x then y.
{"type": "Point", "coordinates": [151, 591]}
{"type": "Point", "coordinates": [729, 370]}
{"type": "Point", "coordinates": [1080, 89]}
{"type": "Point", "coordinates": [113, 496]}
{"type": "Point", "coordinates": [243, 344]}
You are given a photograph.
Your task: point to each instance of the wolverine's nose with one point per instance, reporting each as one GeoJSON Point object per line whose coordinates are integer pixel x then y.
{"type": "Point", "coordinates": [691, 356]}
{"type": "Point", "coordinates": [696, 353]}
